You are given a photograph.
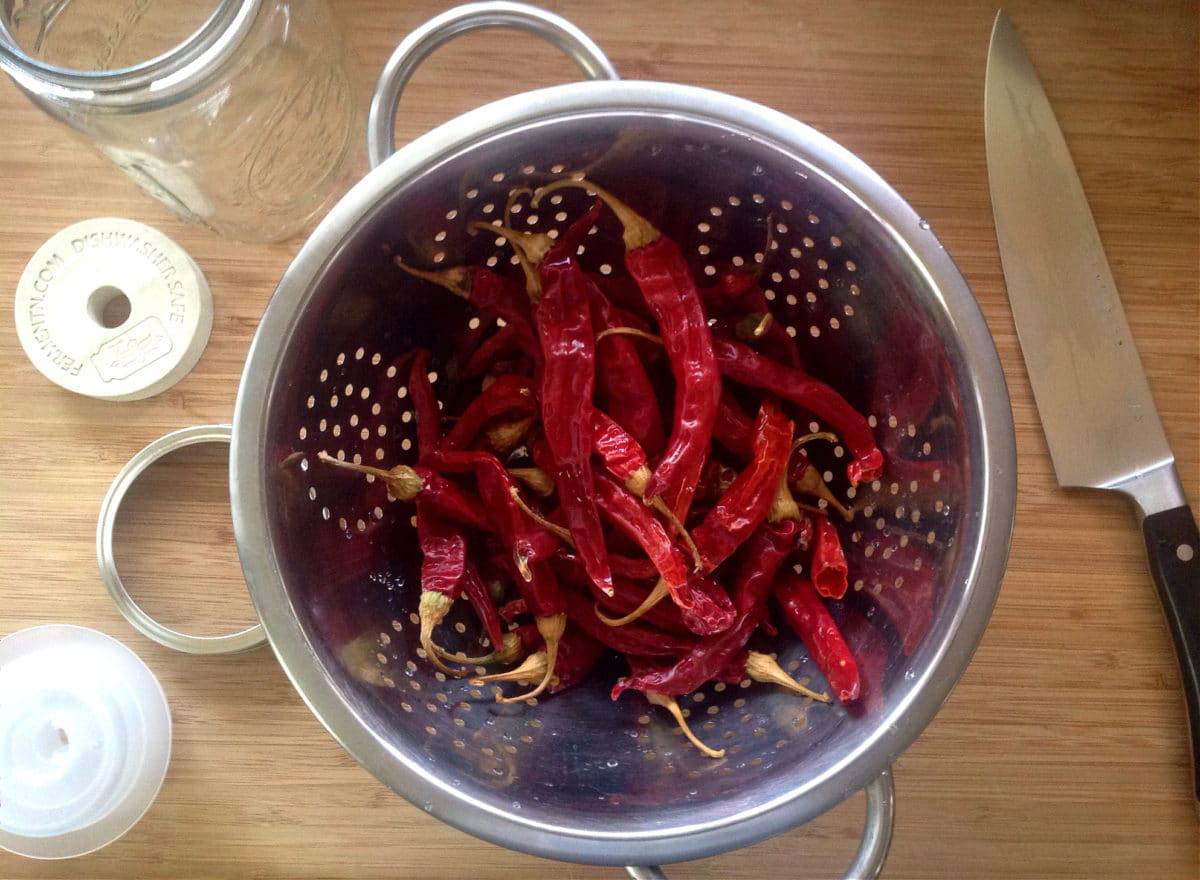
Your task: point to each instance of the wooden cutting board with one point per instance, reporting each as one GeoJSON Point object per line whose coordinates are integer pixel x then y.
{"type": "Point", "coordinates": [1063, 750]}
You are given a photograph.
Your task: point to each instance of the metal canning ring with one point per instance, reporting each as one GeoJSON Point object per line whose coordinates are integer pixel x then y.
{"type": "Point", "coordinates": [231, 643]}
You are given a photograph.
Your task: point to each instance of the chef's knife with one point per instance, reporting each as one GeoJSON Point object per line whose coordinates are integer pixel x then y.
{"type": "Point", "coordinates": [1100, 422]}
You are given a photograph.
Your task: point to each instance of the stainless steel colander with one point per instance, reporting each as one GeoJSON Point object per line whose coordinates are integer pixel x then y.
{"type": "Point", "coordinates": [875, 306]}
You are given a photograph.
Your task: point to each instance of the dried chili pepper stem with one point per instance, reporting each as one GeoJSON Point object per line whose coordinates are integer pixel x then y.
{"type": "Point", "coordinates": [629, 331]}
{"type": "Point", "coordinates": [672, 706]}
{"type": "Point", "coordinates": [784, 506]}
{"type": "Point", "coordinates": [535, 478]}
{"type": "Point", "coordinates": [558, 531]}
{"type": "Point", "coordinates": [763, 668]}
{"type": "Point", "coordinates": [528, 251]}
{"type": "Point", "coordinates": [754, 325]}
{"type": "Point", "coordinates": [769, 245]}
{"type": "Point", "coordinates": [812, 484]}
{"type": "Point", "coordinates": [656, 595]}
{"type": "Point", "coordinates": [532, 669]}
{"type": "Point", "coordinates": [455, 279]}
{"type": "Point", "coordinates": [402, 481]}
{"type": "Point", "coordinates": [638, 231]}
{"type": "Point", "coordinates": [510, 651]}
{"type": "Point", "coordinates": [805, 439]}
{"type": "Point", "coordinates": [513, 194]}
{"type": "Point", "coordinates": [432, 610]}
{"type": "Point", "coordinates": [551, 629]}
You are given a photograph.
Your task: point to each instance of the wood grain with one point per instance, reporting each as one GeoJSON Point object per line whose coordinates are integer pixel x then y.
{"type": "Point", "coordinates": [1062, 753]}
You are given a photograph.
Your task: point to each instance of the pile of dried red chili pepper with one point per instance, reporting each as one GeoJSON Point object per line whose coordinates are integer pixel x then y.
{"type": "Point", "coordinates": [615, 528]}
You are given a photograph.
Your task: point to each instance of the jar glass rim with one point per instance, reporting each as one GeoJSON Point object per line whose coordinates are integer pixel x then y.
{"type": "Point", "coordinates": [154, 80]}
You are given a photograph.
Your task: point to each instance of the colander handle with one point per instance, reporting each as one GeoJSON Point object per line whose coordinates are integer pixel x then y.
{"type": "Point", "coordinates": [417, 46]}
{"type": "Point", "coordinates": [872, 849]}
{"type": "Point", "coordinates": [250, 637]}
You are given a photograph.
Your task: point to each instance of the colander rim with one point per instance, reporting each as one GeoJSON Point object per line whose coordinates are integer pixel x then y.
{"type": "Point", "coordinates": [893, 732]}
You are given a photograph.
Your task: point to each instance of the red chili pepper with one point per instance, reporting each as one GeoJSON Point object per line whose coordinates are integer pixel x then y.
{"type": "Point", "coordinates": [715, 481]}
{"type": "Point", "coordinates": [429, 415]}
{"type": "Point", "coordinates": [567, 381]}
{"type": "Point", "coordinates": [509, 395]}
{"type": "Point", "coordinates": [829, 569]}
{"type": "Point", "coordinates": [634, 519]}
{"type": "Point", "coordinates": [477, 594]}
{"type": "Point", "coordinates": [506, 342]}
{"type": "Point", "coordinates": [493, 295]}
{"type": "Point", "coordinates": [406, 483]}
{"type": "Point", "coordinates": [813, 623]}
{"type": "Point", "coordinates": [704, 606]}
{"type": "Point", "coordinates": [443, 553]}
{"type": "Point", "coordinates": [443, 565]}
{"type": "Point", "coordinates": [621, 453]}
{"type": "Point", "coordinates": [739, 293]}
{"type": "Point", "coordinates": [577, 653]}
{"type": "Point", "coordinates": [657, 265]}
{"type": "Point", "coordinates": [733, 429]}
{"type": "Point", "coordinates": [748, 501]}
{"type": "Point", "coordinates": [625, 459]}
{"type": "Point", "coordinates": [621, 378]}
{"type": "Point", "coordinates": [634, 639]}
{"type": "Point", "coordinates": [513, 609]}
{"type": "Point", "coordinates": [630, 567]}
{"type": "Point", "coordinates": [626, 597]}
{"type": "Point", "coordinates": [535, 580]}
{"type": "Point", "coordinates": [744, 365]}
{"type": "Point", "coordinates": [762, 558]}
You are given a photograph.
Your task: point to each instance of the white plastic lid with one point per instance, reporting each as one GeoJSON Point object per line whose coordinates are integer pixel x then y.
{"type": "Point", "coordinates": [85, 739]}
{"type": "Point", "coordinates": [73, 278]}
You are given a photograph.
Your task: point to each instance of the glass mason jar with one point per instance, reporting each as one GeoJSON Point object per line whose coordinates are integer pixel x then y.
{"type": "Point", "coordinates": [241, 115]}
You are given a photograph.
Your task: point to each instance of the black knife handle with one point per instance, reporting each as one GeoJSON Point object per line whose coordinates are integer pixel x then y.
{"type": "Point", "coordinates": [1173, 545]}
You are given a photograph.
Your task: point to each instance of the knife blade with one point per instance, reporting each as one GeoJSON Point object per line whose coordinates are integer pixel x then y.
{"type": "Point", "coordinates": [1092, 396]}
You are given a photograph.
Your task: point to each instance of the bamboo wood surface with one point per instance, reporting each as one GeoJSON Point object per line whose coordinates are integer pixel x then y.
{"type": "Point", "coordinates": [1062, 753]}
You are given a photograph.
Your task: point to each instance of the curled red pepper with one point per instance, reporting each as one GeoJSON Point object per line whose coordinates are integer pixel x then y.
{"type": "Point", "coordinates": [747, 367]}
{"type": "Point", "coordinates": [812, 622]}
{"type": "Point", "coordinates": [657, 265]}
{"type": "Point", "coordinates": [748, 501]}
